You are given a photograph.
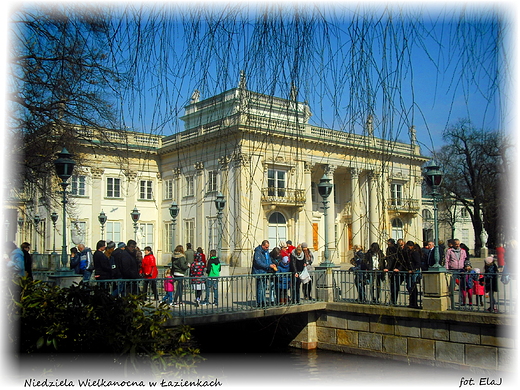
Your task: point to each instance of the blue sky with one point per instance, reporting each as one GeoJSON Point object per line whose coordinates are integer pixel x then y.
{"type": "Point", "coordinates": [449, 75]}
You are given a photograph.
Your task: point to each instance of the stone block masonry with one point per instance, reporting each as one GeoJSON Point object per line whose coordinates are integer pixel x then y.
{"type": "Point", "coordinates": [441, 338]}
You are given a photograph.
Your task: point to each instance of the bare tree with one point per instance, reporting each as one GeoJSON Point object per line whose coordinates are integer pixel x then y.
{"type": "Point", "coordinates": [471, 164]}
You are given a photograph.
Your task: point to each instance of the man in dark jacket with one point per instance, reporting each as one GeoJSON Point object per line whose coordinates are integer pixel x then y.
{"type": "Point", "coordinates": [261, 265]}
{"type": "Point", "coordinates": [27, 259]}
{"type": "Point", "coordinates": [129, 266]}
{"type": "Point", "coordinates": [102, 267]}
{"type": "Point", "coordinates": [395, 265]}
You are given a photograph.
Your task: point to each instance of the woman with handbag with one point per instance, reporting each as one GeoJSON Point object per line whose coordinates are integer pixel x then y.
{"type": "Point", "coordinates": [308, 259]}
{"type": "Point", "coordinates": [297, 264]}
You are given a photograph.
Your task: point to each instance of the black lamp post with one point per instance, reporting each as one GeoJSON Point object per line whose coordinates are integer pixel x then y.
{"type": "Point", "coordinates": [325, 189]}
{"type": "Point", "coordinates": [36, 220]}
{"type": "Point", "coordinates": [220, 203]}
{"type": "Point", "coordinates": [135, 214]}
{"type": "Point", "coordinates": [174, 212]}
{"type": "Point", "coordinates": [102, 218]}
{"type": "Point", "coordinates": [64, 165]}
{"type": "Point", "coordinates": [54, 219]}
{"type": "Point", "coordinates": [433, 176]}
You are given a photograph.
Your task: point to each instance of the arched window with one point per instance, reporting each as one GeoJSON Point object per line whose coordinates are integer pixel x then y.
{"type": "Point", "coordinates": [427, 214]}
{"type": "Point", "coordinates": [277, 229]}
{"type": "Point", "coordinates": [397, 229]}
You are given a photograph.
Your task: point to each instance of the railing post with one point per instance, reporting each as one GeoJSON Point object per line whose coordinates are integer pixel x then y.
{"type": "Point", "coordinates": [436, 290]}
{"type": "Point", "coordinates": [325, 285]}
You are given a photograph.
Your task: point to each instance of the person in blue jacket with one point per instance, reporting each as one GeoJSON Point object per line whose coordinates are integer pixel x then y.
{"type": "Point", "coordinates": [261, 264]}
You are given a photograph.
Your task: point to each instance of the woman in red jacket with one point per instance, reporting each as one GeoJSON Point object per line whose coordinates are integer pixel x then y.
{"type": "Point", "coordinates": [149, 272]}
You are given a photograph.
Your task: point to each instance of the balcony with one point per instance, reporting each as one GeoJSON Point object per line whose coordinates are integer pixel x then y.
{"type": "Point", "coordinates": [283, 197]}
{"type": "Point", "coordinates": [407, 206]}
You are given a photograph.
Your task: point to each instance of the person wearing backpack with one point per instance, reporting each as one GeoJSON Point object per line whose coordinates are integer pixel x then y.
{"type": "Point", "coordinates": [213, 271]}
{"type": "Point", "coordinates": [86, 262]}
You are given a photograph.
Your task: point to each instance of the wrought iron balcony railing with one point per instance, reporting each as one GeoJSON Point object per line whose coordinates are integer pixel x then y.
{"type": "Point", "coordinates": [283, 196]}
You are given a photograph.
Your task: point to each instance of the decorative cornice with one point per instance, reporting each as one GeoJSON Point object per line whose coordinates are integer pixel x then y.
{"type": "Point", "coordinates": [130, 175]}
{"type": "Point", "coordinates": [97, 172]}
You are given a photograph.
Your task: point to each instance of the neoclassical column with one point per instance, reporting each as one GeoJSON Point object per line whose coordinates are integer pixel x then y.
{"type": "Point", "coordinates": [131, 201]}
{"type": "Point", "coordinates": [331, 220]}
{"type": "Point", "coordinates": [227, 191]}
{"type": "Point", "coordinates": [200, 191]}
{"type": "Point", "coordinates": [374, 211]}
{"type": "Point", "coordinates": [97, 190]}
{"type": "Point", "coordinates": [177, 198]}
{"type": "Point", "coordinates": [355, 202]}
{"type": "Point", "coordinates": [307, 230]}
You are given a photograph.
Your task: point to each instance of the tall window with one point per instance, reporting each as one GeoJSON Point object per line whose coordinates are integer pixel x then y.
{"type": "Point", "coordinates": [397, 194]}
{"type": "Point", "coordinates": [145, 190]}
{"type": "Point", "coordinates": [464, 213]}
{"type": "Point", "coordinates": [190, 185]}
{"type": "Point", "coordinates": [78, 185]}
{"type": "Point", "coordinates": [145, 235]}
{"type": "Point", "coordinates": [277, 228]}
{"type": "Point", "coordinates": [212, 181]}
{"type": "Point", "coordinates": [189, 231]}
{"type": "Point", "coordinates": [113, 187]}
{"type": "Point", "coordinates": [168, 238]}
{"type": "Point", "coordinates": [212, 233]}
{"type": "Point", "coordinates": [168, 189]}
{"type": "Point", "coordinates": [397, 229]}
{"type": "Point", "coordinates": [276, 182]}
{"type": "Point", "coordinates": [113, 231]}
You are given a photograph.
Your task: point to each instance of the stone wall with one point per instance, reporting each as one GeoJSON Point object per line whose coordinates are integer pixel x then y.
{"type": "Point", "coordinates": [444, 339]}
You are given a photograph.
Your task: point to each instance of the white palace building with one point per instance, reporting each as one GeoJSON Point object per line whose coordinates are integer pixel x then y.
{"type": "Point", "coordinates": [266, 160]}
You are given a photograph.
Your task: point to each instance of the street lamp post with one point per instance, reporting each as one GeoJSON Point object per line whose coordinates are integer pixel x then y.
{"type": "Point", "coordinates": [220, 203]}
{"type": "Point", "coordinates": [135, 214]}
{"type": "Point", "coordinates": [325, 189]}
{"type": "Point", "coordinates": [433, 177]}
{"type": "Point", "coordinates": [102, 218]}
{"type": "Point", "coordinates": [64, 165]}
{"type": "Point", "coordinates": [36, 224]}
{"type": "Point", "coordinates": [54, 219]}
{"type": "Point", "coordinates": [174, 212]}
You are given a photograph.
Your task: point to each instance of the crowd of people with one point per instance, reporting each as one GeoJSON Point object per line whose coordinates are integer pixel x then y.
{"type": "Point", "coordinates": [126, 261]}
{"type": "Point", "coordinates": [405, 262]}
{"type": "Point", "coordinates": [282, 274]}
{"type": "Point", "coordinates": [283, 259]}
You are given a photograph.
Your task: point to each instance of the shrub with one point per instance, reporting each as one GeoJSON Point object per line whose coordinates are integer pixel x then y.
{"type": "Point", "coordinates": [84, 319]}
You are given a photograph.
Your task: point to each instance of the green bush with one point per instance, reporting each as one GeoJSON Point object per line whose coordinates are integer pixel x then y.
{"type": "Point", "coordinates": [85, 319]}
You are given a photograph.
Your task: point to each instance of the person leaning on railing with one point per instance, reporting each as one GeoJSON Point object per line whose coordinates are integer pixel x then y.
{"type": "Point", "coordinates": [179, 269]}
{"type": "Point", "coordinates": [491, 281]}
{"type": "Point", "coordinates": [395, 265]}
{"type": "Point", "coordinates": [375, 261]}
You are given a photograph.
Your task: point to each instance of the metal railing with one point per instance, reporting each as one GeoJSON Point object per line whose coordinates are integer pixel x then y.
{"type": "Point", "coordinates": [378, 288]}
{"type": "Point", "coordinates": [225, 294]}
{"type": "Point", "coordinates": [483, 292]}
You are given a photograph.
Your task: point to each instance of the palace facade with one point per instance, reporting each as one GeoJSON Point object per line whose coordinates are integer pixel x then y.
{"type": "Point", "coordinates": [261, 154]}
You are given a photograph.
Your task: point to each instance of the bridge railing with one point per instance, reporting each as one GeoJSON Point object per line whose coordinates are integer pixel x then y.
{"type": "Point", "coordinates": [488, 292]}
{"type": "Point", "coordinates": [377, 287]}
{"type": "Point", "coordinates": [485, 292]}
{"type": "Point", "coordinates": [235, 293]}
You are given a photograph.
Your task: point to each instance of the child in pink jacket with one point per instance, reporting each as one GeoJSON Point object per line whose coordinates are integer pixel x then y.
{"type": "Point", "coordinates": [168, 287]}
{"type": "Point", "coordinates": [478, 288]}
